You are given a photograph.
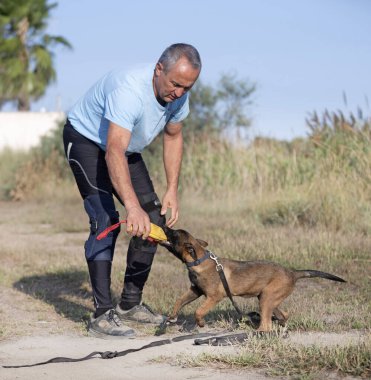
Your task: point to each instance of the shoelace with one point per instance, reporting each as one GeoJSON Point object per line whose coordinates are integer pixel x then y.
{"type": "Point", "coordinates": [112, 316]}
{"type": "Point", "coordinates": [148, 308]}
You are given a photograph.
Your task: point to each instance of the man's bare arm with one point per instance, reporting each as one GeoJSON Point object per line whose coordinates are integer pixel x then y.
{"type": "Point", "coordinates": [173, 151]}
{"type": "Point", "coordinates": [117, 143]}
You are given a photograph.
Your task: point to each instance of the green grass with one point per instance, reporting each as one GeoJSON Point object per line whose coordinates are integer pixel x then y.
{"type": "Point", "coordinates": [10, 163]}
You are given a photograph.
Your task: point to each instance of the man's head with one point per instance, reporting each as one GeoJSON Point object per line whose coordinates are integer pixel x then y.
{"type": "Point", "coordinates": [176, 71]}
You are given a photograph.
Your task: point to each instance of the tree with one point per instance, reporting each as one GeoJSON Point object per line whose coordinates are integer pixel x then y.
{"type": "Point", "coordinates": [26, 59]}
{"type": "Point", "coordinates": [220, 108]}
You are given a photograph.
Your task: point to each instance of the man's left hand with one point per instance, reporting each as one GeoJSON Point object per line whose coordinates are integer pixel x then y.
{"type": "Point", "coordinates": [170, 200]}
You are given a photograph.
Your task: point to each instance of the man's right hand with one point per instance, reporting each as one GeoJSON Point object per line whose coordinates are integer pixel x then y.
{"type": "Point", "coordinates": [138, 222]}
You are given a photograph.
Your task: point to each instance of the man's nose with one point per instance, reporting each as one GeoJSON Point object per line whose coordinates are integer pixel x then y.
{"type": "Point", "coordinates": [179, 92]}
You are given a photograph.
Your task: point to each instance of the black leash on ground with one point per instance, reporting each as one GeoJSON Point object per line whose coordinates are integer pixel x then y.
{"type": "Point", "coordinates": [116, 354]}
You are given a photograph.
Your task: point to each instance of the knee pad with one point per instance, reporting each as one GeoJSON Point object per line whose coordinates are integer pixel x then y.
{"type": "Point", "coordinates": [102, 214]}
{"type": "Point", "coordinates": [152, 206]}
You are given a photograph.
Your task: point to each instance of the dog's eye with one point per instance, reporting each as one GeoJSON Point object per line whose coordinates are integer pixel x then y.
{"type": "Point", "coordinates": [190, 249]}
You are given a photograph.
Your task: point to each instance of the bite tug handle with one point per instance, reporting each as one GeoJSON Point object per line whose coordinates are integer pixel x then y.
{"type": "Point", "coordinates": [104, 233]}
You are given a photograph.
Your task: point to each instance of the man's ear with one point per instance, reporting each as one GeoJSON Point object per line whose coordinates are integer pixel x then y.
{"type": "Point", "coordinates": [203, 243]}
{"type": "Point", "coordinates": [159, 68]}
{"type": "Point", "coordinates": [191, 250]}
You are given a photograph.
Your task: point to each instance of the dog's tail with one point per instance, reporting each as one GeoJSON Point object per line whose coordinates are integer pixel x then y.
{"type": "Point", "coordinates": [315, 273]}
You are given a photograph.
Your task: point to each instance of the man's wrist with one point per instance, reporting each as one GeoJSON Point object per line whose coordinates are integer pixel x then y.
{"type": "Point", "coordinates": [172, 188]}
{"type": "Point", "coordinates": [132, 206]}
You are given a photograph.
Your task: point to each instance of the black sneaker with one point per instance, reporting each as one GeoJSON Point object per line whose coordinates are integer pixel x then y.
{"type": "Point", "coordinates": [109, 326]}
{"type": "Point", "coordinates": [140, 313]}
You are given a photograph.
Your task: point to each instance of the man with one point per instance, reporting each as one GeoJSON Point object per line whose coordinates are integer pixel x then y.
{"type": "Point", "coordinates": [104, 136]}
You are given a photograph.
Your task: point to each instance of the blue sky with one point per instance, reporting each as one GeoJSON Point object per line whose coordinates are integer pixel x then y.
{"type": "Point", "coordinates": [302, 55]}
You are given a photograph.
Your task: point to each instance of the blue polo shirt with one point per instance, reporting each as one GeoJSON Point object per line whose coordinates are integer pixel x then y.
{"type": "Point", "coordinates": [127, 99]}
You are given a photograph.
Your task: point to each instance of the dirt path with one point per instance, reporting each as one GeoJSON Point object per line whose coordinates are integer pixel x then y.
{"type": "Point", "coordinates": [48, 338]}
{"type": "Point", "coordinates": [139, 365]}
{"type": "Point", "coordinates": [154, 363]}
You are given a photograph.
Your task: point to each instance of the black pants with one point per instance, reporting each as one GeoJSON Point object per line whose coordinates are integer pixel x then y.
{"type": "Point", "coordinates": [87, 161]}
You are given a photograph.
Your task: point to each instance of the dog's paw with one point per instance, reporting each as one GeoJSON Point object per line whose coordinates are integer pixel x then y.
{"type": "Point", "coordinates": [171, 320]}
{"type": "Point", "coordinates": [201, 323]}
{"type": "Point", "coordinates": [253, 317]}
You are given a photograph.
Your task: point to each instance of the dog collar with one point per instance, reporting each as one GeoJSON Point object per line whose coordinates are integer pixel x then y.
{"type": "Point", "coordinates": [200, 260]}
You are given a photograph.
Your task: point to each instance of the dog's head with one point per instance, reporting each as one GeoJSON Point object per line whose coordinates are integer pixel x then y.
{"type": "Point", "coordinates": [183, 245]}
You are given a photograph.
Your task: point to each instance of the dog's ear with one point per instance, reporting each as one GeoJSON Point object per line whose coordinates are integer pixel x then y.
{"type": "Point", "coordinates": [191, 250]}
{"type": "Point", "coordinates": [203, 243]}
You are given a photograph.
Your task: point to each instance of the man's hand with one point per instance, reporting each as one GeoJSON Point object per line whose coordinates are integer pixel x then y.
{"type": "Point", "coordinates": [137, 222]}
{"type": "Point", "coordinates": [170, 200]}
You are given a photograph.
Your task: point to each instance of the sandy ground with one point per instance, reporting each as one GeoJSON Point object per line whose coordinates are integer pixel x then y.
{"type": "Point", "coordinates": [139, 365]}
{"type": "Point", "coordinates": [154, 363]}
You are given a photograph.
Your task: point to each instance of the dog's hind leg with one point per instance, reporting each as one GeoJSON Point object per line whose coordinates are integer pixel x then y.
{"type": "Point", "coordinates": [192, 294]}
{"type": "Point", "coordinates": [269, 301]}
{"type": "Point", "coordinates": [281, 316]}
{"type": "Point", "coordinates": [266, 311]}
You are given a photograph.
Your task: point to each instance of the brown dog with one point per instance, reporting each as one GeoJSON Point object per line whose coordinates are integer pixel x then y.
{"type": "Point", "coordinates": [268, 281]}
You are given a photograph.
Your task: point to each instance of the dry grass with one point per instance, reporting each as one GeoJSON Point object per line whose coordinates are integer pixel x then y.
{"type": "Point", "coordinates": [279, 358]}
{"type": "Point", "coordinates": [45, 285]}
{"type": "Point", "coordinates": [42, 254]}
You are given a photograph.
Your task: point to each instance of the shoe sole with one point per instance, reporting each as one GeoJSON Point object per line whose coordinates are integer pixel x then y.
{"type": "Point", "coordinates": [97, 334]}
{"type": "Point", "coordinates": [128, 319]}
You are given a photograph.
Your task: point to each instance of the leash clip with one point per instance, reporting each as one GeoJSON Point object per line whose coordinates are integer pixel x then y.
{"type": "Point", "coordinates": [219, 267]}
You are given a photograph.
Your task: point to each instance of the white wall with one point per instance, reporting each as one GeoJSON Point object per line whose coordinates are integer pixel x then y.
{"type": "Point", "coordinates": [22, 130]}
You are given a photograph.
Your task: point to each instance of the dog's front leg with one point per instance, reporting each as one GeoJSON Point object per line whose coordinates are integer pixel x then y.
{"type": "Point", "coordinates": [204, 309]}
{"type": "Point", "coordinates": [189, 296]}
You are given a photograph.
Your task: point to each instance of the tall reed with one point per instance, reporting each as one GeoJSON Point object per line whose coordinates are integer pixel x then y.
{"type": "Point", "coordinates": [323, 179]}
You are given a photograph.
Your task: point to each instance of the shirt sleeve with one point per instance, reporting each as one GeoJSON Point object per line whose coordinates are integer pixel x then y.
{"type": "Point", "coordinates": [123, 107]}
{"type": "Point", "coordinates": [181, 111]}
